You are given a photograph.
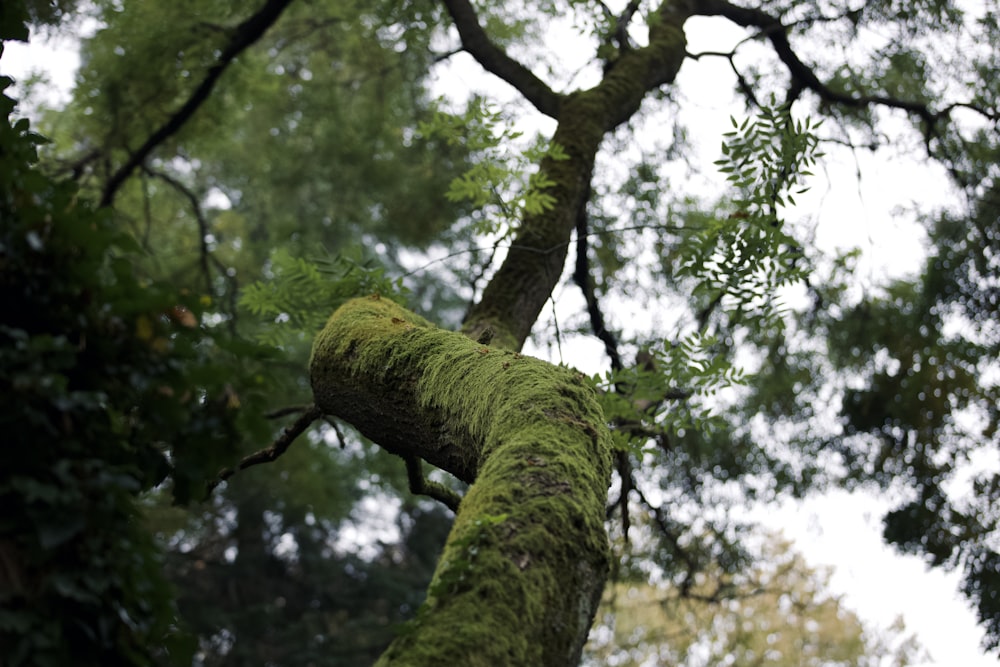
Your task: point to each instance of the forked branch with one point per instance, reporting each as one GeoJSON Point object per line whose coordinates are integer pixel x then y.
{"type": "Point", "coordinates": [803, 77]}
{"type": "Point", "coordinates": [496, 61]}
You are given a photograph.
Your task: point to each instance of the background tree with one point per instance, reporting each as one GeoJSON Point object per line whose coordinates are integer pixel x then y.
{"type": "Point", "coordinates": [775, 613]}
{"type": "Point", "coordinates": [522, 570]}
{"type": "Point", "coordinates": [97, 368]}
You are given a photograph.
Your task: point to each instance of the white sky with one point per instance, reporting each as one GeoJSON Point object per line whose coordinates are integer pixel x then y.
{"type": "Point", "coordinates": [837, 529]}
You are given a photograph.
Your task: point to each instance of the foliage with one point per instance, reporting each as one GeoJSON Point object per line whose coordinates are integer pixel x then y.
{"type": "Point", "coordinates": [743, 261]}
{"type": "Point", "coordinates": [923, 408]}
{"type": "Point", "coordinates": [300, 292]}
{"type": "Point", "coordinates": [738, 266]}
{"type": "Point", "coordinates": [191, 231]}
{"type": "Point", "coordinates": [81, 356]}
{"type": "Point", "coordinates": [115, 382]}
{"type": "Point", "coordinates": [345, 167]}
{"type": "Point", "coordinates": [777, 613]}
{"type": "Point", "coordinates": [130, 353]}
{"type": "Point", "coordinates": [497, 175]}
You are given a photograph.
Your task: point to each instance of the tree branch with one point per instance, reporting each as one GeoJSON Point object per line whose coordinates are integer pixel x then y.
{"type": "Point", "coordinates": [618, 35]}
{"type": "Point", "coordinates": [803, 76]}
{"type": "Point", "coordinates": [531, 437]}
{"type": "Point", "coordinates": [206, 256]}
{"type": "Point", "coordinates": [514, 297]}
{"type": "Point", "coordinates": [199, 216]}
{"type": "Point", "coordinates": [667, 529]}
{"type": "Point", "coordinates": [741, 81]}
{"type": "Point", "coordinates": [287, 410]}
{"type": "Point", "coordinates": [277, 448]}
{"type": "Point", "coordinates": [420, 485]}
{"type": "Point", "coordinates": [621, 28]}
{"type": "Point", "coordinates": [242, 38]}
{"type": "Point", "coordinates": [581, 276]}
{"type": "Point", "coordinates": [496, 61]}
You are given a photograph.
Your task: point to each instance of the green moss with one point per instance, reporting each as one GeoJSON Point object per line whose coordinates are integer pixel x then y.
{"type": "Point", "coordinates": [520, 574]}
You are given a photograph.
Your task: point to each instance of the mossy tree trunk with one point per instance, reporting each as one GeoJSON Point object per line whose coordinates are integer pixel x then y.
{"type": "Point", "coordinates": [522, 571]}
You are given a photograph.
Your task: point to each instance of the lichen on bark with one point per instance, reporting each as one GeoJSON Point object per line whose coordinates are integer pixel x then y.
{"type": "Point", "coordinates": [526, 560]}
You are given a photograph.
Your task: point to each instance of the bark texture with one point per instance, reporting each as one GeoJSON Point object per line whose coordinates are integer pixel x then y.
{"type": "Point", "coordinates": [523, 569]}
{"type": "Point", "coordinates": [524, 566]}
{"type": "Point", "coordinates": [517, 293]}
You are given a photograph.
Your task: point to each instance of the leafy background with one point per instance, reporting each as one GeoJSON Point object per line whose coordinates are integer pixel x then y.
{"type": "Point", "coordinates": [155, 339]}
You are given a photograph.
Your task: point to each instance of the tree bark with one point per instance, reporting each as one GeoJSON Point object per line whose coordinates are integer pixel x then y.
{"type": "Point", "coordinates": [522, 572]}
{"type": "Point", "coordinates": [517, 293]}
{"type": "Point", "coordinates": [526, 561]}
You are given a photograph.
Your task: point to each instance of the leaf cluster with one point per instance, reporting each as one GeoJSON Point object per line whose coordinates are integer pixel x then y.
{"type": "Point", "coordinates": [741, 261]}
{"type": "Point", "coordinates": [113, 382]}
{"type": "Point", "coordinates": [909, 370]}
{"type": "Point", "coordinates": [921, 407]}
{"type": "Point", "coordinates": [84, 581]}
{"type": "Point", "coordinates": [302, 293]}
{"type": "Point", "coordinates": [498, 181]}
{"type": "Point", "coordinates": [735, 266]}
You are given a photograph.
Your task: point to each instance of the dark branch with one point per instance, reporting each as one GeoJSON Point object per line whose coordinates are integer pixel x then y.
{"type": "Point", "coordinates": [199, 215]}
{"type": "Point", "coordinates": [623, 21]}
{"type": "Point", "coordinates": [76, 168]}
{"type": "Point", "coordinates": [623, 464]}
{"type": "Point", "coordinates": [581, 276]}
{"type": "Point", "coordinates": [496, 61]}
{"type": "Point", "coordinates": [668, 530]}
{"type": "Point", "coordinates": [777, 34]}
{"type": "Point", "coordinates": [422, 486]}
{"type": "Point", "coordinates": [618, 35]}
{"type": "Point", "coordinates": [288, 410]}
{"type": "Point", "coordinates": [242, 38]}
{"type": "Point", "coordinates": [804, 78]}
{"type": "Point", "coordinates": [277, 448]}
{"type": "Point", "coordinates": [332, 423]}
{"type": "Point", "coordinates": [480, 273]}
{"type": "Point", "coordinates": [206, 256]}
{"type": "Point", "coordinates": [741, 81]}
{"type": "Point", "coordinates": [446, 55]}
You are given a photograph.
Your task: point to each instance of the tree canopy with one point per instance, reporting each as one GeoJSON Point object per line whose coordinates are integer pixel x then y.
{"type": "Point", "coordinates": [262, 235]}
{"type": "Point", "coordinates": [774, 613]}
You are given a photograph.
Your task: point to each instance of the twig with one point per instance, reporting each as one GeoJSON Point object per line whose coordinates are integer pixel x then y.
{"type": "Point", "coordinates": [777, 33]}
{"type": "Point", "coordinates": [581, 276]}
{"type": "Point", "coordinates": [289, 410]}
{"type": "Point", "coordinates": [663, 522]}
{"type": "Point", "coordinates": [277, 448]}
{"type": "Point", "coordinates": [206, 256]}
{"type": "Point", "coordinates": [422, 486]}
{"type": "Point", "coordinates": [199, 216]}
{"type": "Point", "coordinates": [341, 440]}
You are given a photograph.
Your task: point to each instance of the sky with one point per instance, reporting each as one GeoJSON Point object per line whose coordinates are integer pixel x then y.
{"type": "Point", "coordinates": [860, 200]}
{"type": "Point", "coordinates": [837, 529]}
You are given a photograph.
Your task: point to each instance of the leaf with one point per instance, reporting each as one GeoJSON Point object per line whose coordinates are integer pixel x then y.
{"type": "Point", "coordinates": [57, 530]}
